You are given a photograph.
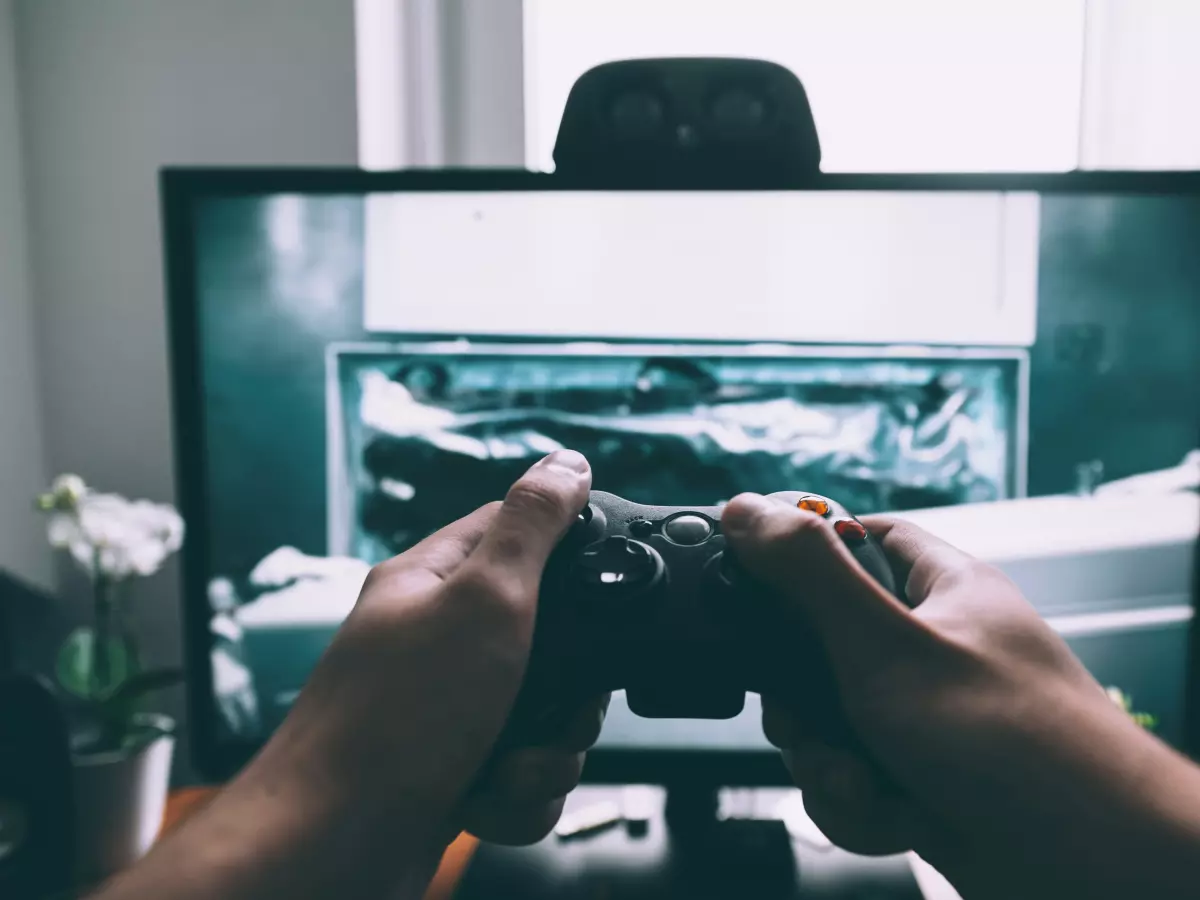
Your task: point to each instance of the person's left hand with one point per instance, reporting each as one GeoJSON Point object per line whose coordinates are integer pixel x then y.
{"type": "Point", "coordinates": [522, 797]}
{"type": "Point", "coordinates": [403, 711]}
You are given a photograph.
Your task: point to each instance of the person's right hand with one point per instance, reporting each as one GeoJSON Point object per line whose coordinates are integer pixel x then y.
{"type": "Point", "coordinates": [987, 746]}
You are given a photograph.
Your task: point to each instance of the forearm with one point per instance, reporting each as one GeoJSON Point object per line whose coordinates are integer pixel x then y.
{"type": "Point", "coordinates": [1140, 838]}
{"type": "Point", "coordinates": [265, 837]}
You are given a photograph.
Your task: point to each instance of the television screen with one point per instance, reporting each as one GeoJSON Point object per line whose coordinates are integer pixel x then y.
{"type": "Point", "coordinates": [1016, 370]}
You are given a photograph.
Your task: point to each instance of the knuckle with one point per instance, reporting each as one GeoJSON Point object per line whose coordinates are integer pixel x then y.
{"type": "Point", "coordinates": [807, 532]}
{"type": "Point", "coordinates": [939, 574]}
{"type": "Point", "coordinates": [537, 496]}
{"type": "Point", "coordinates": [378, 576]}
{"type": "Point", "coordinates": [509, 545]}
{"type": "Point", "coordinates": [807, 523]}
{"type": "Point", "coordinates": [970, 571]}
{"type": "Point", "coordinates": [486, 588]}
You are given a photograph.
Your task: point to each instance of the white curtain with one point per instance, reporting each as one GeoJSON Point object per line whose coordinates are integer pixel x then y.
{"type": "Point", "coordinates": [1141, 102]}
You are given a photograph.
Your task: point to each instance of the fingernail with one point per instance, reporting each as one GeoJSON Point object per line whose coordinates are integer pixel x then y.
{"type": "Point", "coordinates": [743, 511]}
{"type": "Point", "coordinates": [567, 460]}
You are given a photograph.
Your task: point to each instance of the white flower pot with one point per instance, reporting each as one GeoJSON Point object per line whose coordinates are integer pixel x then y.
{"type": "Point", "coordinates": [120, 798]}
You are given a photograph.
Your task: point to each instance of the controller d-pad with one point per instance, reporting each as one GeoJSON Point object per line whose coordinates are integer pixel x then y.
{"type": "Point", "coordinates": [619, 562]}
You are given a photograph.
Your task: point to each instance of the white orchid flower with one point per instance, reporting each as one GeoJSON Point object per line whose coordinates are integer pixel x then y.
{"type": "Point", "coordinates": [107, 535]}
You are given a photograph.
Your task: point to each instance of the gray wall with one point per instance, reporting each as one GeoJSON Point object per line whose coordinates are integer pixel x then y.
{"type": "Point", "coordinates": [111, 91]}
{"type": "Point", "coordinates": [22, 548]}
{"type": "Point", "coordinates": [483, 58]}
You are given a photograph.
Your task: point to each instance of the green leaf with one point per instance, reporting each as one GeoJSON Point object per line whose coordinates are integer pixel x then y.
{"type": "Point", "coordinates": [141, 734]}
{"type": "Point", "coordinates": [89, 670]}
{"type": "Point", "coordinates": [143, 683]}
{"type": "Point", "coordinates": [117, 712]}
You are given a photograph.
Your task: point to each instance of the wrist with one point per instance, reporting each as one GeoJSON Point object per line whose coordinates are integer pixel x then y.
{"type": "Point", "coordinates": [272, 832]}
{"type": "Point", "coordinates": [1125, 823]}
{"type": "Point", "coordinates": [329, 820]}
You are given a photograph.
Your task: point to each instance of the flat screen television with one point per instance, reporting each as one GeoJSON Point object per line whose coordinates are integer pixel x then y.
{"type": "Point", "coordinates": [358, 358]}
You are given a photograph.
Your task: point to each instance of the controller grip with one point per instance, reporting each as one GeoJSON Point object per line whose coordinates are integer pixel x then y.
{"type": "Point", "coordinates": [691, 628]}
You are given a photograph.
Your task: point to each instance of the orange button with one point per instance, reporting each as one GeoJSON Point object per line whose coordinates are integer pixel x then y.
{"type": "Point", "coordinates": [850, 531]}
{"type": "Point", "coordinates": [814, 505]}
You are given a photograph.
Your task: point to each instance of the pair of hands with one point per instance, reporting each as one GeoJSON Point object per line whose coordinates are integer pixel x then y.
{"type": "Point", "coordinates": [964, 704]}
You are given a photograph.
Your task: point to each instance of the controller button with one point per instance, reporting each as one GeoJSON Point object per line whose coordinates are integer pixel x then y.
{"type": "Point", "coordinates": [687, 530]}
{"type": "Point", "coordinates": [729, 569]}
{"type": "Point", "coordinates": [641, 528]}
{"type": "Point", "coordinates": [585, 515]}
{"type": "Point", "coordinates": [850, 531]}
{"type": "Point", "coordinates": [617, 560]}
{"type": "Point", "coordinates": [818, 505]}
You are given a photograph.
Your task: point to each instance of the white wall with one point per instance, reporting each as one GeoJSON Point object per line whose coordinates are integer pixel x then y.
{"type": "Point", "coordinates": [111, 91]}
{"type": "Point", "coordinates": [22, 471]}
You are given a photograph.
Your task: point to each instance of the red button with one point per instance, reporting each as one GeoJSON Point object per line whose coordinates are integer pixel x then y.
{"type": "Point", "coordinates": [850, 531]}
{"type": "Point", "coordinates": [818, 505]}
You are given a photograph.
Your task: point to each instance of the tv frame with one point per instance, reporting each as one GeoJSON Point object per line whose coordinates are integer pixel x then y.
{"type": "Point", "coordinates": [217, 757]}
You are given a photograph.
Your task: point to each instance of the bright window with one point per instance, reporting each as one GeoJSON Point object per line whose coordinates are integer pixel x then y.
{"type": "Point", "coordinates": [914, 85]}
{"type": "Point", "coordinates": [895, 85]}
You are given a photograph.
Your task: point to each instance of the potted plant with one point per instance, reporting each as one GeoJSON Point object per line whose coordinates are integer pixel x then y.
{"type": "Point", "coordinates": [1125, 702]}
{"type": "Point", "coordinates": [121, 750]}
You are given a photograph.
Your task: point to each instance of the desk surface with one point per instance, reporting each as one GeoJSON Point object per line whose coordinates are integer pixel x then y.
{"type": "Point", "coordinates": [453, 870]}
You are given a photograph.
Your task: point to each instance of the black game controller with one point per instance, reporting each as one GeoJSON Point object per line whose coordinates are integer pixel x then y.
{"type": "Point", "coordinates": [648, 598]}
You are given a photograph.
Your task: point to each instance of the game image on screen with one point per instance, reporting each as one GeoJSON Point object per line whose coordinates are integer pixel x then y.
{"type": "Point", "coordinates": [1018, 373]}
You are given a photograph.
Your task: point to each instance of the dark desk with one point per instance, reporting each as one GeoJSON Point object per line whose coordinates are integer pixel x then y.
{"type": "Point", "coordinates": [728, 862]}
{"type": "Point", "coordinates": [615, 864]}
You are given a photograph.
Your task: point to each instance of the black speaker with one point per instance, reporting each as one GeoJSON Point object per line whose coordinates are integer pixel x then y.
{"type": "Point", "coordinates": [32, 627]}
{"type": "Point", "coordinates": [701, 123]}
{"type": "Point", "coordinates": [36, 798]}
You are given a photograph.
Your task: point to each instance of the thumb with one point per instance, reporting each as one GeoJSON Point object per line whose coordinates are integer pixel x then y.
{"type": "Point", "coordinates": [536, 512]}
{"type": "Point", "coordinates": [800, 557]}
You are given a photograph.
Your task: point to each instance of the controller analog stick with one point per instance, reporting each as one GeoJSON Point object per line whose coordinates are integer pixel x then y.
{"type": "Point", "coordinates": [687, 530]}
{"type": "Point", "coordinates": [619, 562]}
{"type": "Point", "coordinates": [588, 525]}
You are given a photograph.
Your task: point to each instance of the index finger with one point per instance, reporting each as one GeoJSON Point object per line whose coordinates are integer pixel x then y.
{"type": "Point", "coordinates": [807, 564]}
{"type": "Point", "coordinates": [921, 562]}
{"type": "Point", "coordinates": [438, 556]}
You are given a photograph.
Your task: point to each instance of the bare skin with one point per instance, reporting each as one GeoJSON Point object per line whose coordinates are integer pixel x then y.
{"type": "Point", "coordinates": [376, 768]}
{"type": "Point", "coordinates": [988, 747]}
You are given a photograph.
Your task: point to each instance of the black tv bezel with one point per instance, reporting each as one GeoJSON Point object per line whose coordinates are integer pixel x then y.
{"type": "Point", "coordinates": [216, 757]}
